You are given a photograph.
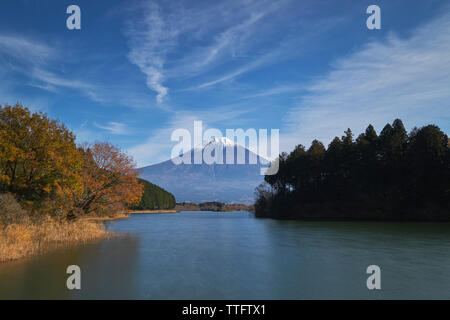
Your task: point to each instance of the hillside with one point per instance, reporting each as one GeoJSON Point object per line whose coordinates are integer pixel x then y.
{"type": "Point", "coordinates": [154, 197]}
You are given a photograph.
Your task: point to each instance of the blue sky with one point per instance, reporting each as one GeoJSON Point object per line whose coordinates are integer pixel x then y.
{"type": "Point", "coordinates": [137, 70]}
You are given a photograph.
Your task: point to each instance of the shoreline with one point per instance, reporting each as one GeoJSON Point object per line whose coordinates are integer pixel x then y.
{"type": "Point", "coordinates": [118, 217]}
{"type": "Point", "coordinates": [152, 211]}
{"type": "Point", "coordinates": [213, 206]}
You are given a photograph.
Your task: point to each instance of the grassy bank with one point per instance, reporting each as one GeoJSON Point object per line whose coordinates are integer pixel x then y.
{"type": "Point", "coordinates": [19, 240]}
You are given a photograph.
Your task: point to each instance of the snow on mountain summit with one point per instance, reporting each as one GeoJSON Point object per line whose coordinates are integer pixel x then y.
{"type": "Point", "coordinates": [220, 140]}
{"type": "Point", "coordinates": [225, 142]}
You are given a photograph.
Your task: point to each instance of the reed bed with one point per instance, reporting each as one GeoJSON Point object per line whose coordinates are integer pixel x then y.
{"type": "Point", "coordinates": [18, 240]}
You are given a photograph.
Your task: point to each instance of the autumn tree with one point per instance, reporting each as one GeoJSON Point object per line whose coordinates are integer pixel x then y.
{"type": "Point", "coordinates": [110, 180]}
{"type": "Point", "coordinates": [39, 160]}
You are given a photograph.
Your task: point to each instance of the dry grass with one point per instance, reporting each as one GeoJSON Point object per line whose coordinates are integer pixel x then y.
{"type": "Point", "coordinates": [18, 240]}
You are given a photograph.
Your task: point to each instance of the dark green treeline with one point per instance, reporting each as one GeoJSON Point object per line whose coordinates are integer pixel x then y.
{"type": "Point", "coordinates": [154, 198]}
{"type": "Point", "coordinates": [391, 176]}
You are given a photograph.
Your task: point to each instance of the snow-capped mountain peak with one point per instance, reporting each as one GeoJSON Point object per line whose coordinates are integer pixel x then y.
{"type": "Point", "coordinates": [223, 141]}
{"type": "Point", "coordinates": [232, 178]}
{"type": "Point", "coordinates": [220, 140]}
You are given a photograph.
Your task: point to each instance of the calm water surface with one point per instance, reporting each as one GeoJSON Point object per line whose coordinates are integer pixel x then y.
{"type": "Point", "coordinates": [206, 255]}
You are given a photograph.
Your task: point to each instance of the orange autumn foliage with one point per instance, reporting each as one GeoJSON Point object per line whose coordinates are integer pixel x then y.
{"type": "Point", "coordinates": [41, 166]}
{"type": "Point", "coordinates": [109, 180]}
{"type": "Point", "coordinates": [39, 159]}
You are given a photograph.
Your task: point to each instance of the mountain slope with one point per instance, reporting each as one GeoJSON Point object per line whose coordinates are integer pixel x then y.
{"type": "Point", "coordinates": [229, 183]}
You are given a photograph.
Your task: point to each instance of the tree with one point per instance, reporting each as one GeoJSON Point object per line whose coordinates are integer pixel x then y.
{"type": "Point", "coordinates": [428, 158]}
{"type": "Point", "coordinates": [279, 181]}
{"type": "Point", "coordinates": [296, 167]}
{"type": "Point", "coordinates": [391, 176]}
{"type": "Point", "coordinates": [316, 154]}
{"type": "Point", "coordinates": [263, 195]}
{"type": "Point", "coordinates": [109, 179]}
{"type": "Point", "coordinates": [367, 159]}
{"type": "Point", "coordinates": [333, 163]}
{"type": "Point", "coordinates": [39, 161]}
{"type": "Point", "coordinates": [154, 197]}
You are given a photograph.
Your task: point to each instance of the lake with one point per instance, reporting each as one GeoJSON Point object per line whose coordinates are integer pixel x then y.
{"type": "Point", "coordinates": [210, 255]}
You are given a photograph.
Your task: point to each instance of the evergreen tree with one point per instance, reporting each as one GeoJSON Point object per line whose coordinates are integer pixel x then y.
{"type": "Point", "coordinates": [154, 198]}
{"type": "Point", "coordinates": [391, 176]}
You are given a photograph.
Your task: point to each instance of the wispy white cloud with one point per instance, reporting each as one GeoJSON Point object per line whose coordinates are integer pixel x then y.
{"type": "Point", "coordinates": [150, 40]}
{"type": "Point", "coordinates": [206, 35]}
{"type": "Point", "coordinates": [407, 78]}
{"type": "Point", "coordinates": [27, 61]}
{"type": "Point", "coordinates": [252, 65]}
{"type": "Point", "coordinates": [232, 43]}
{"type": "Point", "coordinates": [276, 90]}
{"type": "Point", "coordinates": [114, 127]}
{"type": "Point", "coordinates": [51, 80]}
{"type": "Point", "coordinates": [34, 60]}
{"type": "Point", "coordinates": [23, 49]}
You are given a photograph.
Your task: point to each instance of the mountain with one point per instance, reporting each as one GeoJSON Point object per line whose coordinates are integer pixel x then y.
{"type": "Point", "coordinates": [228, 182]}
{"type": "Point", "coordinates": [154, 197]}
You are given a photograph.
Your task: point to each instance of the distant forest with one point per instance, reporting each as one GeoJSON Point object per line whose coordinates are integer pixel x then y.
{"type": "Point", "coordinates": [391, 176]}
{"type": "Point", "coordinates": [212, 206]}
{"type": "Point", "coordinates": [154, 198]}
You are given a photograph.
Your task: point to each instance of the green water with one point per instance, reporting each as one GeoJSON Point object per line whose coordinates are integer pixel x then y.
{"type": "Point", "coordinates": [206, 255]}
